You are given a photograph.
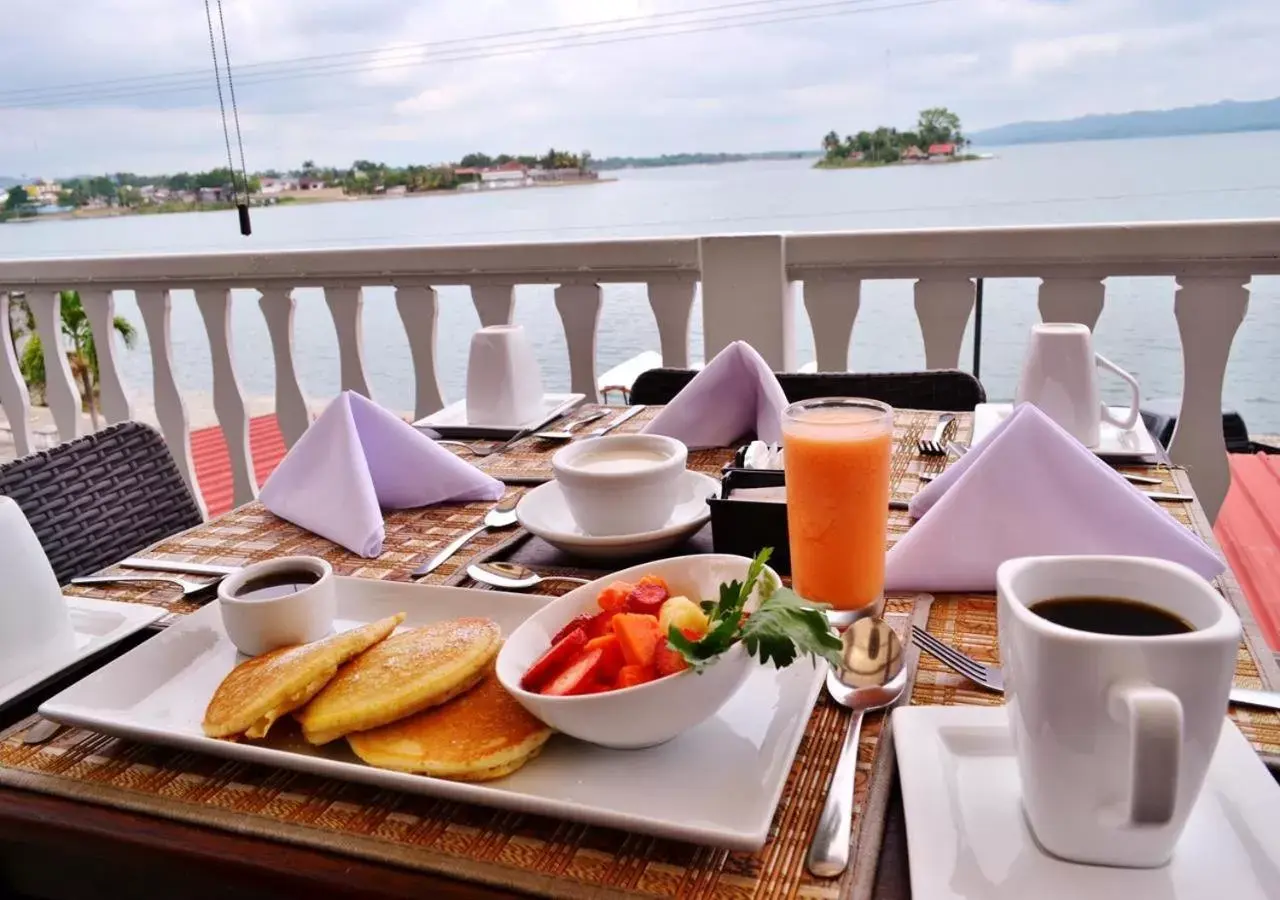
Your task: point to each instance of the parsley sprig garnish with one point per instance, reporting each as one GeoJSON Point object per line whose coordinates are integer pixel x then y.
{"type": "Point", "coordinates": [783, 627]}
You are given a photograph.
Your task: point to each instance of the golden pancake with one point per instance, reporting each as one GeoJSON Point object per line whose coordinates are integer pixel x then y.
{"type": "Point", "coordinates": [403, 675]}
{"type": "Point", "coordinates": [482, 735]}
{"type": "Point", "coordinates": [264, 688]}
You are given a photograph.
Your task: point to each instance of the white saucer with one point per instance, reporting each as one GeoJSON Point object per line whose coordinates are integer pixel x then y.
{"type": "Point", "coordinates": [967, 839]}
{"type": "Point", "coordinates": [1112, 442]}
{"type": "Point", "coordinates": [451, 422]}
{"type": "Point", "coordinates": [96, 624]}
{"type": "Point", "coordinates": [544, 512]}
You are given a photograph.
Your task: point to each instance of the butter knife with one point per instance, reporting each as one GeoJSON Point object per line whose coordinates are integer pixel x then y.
{"type": "Point", "coordinates": [182, 568]}
{"type": "Point", "coordinates": [629, 414]}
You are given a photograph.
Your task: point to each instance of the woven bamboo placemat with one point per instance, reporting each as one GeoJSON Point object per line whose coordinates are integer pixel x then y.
{"type": "Point", "coordinates": [528, 460]}
{"type": "Point", "coordinates": [507, 849]}
{"type": "Point", "coordinates": [251, 533]}
{"type": "Point", "coordinates": [534, 854]}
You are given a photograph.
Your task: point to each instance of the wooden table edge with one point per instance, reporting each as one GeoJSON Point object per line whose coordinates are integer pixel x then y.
{"type": "Point", "coordinates": [130, 842]}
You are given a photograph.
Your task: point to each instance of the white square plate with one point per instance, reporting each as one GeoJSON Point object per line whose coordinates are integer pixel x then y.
{"type": "Point", "coordinates": [718, 783]}
{"type": "Point", "coordinates": [1136, 443]}
{"type": "Point", "coordinates": [96, 625]}
{"type": "Point", "coordinates": [967, 839]}
{"type": "Point", "coordinates": [451, 422]}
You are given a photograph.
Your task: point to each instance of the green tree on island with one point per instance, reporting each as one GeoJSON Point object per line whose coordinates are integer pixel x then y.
{"type": "Point", "coordinates": [82, 352]}
{"type": "Point", "coordinates": [886, 145]}
{"type": "Point", "coordinates": [16, 199]}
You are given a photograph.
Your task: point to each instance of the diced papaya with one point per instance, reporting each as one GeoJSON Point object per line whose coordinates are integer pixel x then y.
{"type": "Point", "coordinates": [577, 678]}
{"type": "Point", "coordinates": [611, 659]}
{"type": "Point", "coordinates": [555, 660]}
{"type": "Point", "coordinates": [638, 636]}
{"type": "Point", "coordinates": [614, 597]}
{"type": "Point", "coordinates": [630, 676]}
{"type": "Point", "coordinates": [667, 661]}
{"type": "Point", "coordinates": [646, 598]}
{"type": "Point", "coordinates": [583, 621]}
{"type": "Point", "coordinates": [654, 580]}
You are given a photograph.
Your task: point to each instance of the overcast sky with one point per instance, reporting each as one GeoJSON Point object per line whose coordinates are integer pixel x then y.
{"type": "Point", "coordinates": [772, 86]}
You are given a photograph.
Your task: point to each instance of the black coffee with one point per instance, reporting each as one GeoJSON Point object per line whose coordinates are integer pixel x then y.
{"type": "Point", "coordinates": [276, 584]}
{"type": "Point", "coordinates": [1110, 615]}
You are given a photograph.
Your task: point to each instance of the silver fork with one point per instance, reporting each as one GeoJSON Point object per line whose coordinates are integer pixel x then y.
{"type": "Point", "coordinates": [981, 674]}
{"type": "Point", "coordinates": [992, 678]}
{"type": "Point", "coordinates": [937, 445]}
{"type": "Point", "coordinates": [188, 587]}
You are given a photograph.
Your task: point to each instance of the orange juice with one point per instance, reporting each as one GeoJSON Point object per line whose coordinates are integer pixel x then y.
{"type": "Point", "coordinates": [837, 454]}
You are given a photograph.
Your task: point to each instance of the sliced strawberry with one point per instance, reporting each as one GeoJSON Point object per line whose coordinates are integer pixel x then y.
{"type": "Point", "coordinates": [667, 661]}
{"type": "Point", "coordinates": [583, 621]}
{"type": "Point", "coordinates": [647, 598]}
{"type": "Point", "coordinates": [554, 661]}
{"type": "Point", "coordinates": [578, 678]}
{"type": "Point", "coordinates": [601, 624]}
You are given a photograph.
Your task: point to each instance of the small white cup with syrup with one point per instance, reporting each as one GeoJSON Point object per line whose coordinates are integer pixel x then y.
{"type": "Point", "coordinates": [277, 603]}
{"type": "Point", "coordinates": [621, 484]}
{"type": "Point", "coordinates": [504, 384]}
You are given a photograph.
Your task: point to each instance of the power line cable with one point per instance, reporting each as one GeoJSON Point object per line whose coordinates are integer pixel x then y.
{"type": "Point", "coordinates": [187, 76]}
{"type": "Point", "coordinates": [626, 35]}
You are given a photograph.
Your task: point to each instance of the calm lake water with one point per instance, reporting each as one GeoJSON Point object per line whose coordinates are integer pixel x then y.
{"type": "Point", "coordinates": [1202, 177]}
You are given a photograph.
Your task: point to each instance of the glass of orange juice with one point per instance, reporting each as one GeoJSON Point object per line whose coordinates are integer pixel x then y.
{"type": "Point", "coordinates": [836, 454]}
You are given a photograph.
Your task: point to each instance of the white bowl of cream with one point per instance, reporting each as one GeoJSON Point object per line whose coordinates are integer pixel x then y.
{"type": "Point", "coordinates": [621, 484]}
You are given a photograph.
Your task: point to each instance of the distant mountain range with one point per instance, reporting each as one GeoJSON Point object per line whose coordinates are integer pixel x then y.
{"type": "Point", "coordinates": [1216, 118]}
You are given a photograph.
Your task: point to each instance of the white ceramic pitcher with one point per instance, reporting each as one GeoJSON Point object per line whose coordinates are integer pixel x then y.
{"type": "Point", "coordinates": [1059, 375]}
{"type": "Point", "coordinates": [34, 624]}
{"type": "Point", "coordinates": [504, 384]}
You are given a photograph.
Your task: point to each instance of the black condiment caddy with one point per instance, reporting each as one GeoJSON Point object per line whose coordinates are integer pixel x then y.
{"type": "Point", "coordinates": [744, 527]}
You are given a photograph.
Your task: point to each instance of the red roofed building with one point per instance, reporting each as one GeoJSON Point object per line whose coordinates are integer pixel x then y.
{"type": "Point", "coordinates": [942, 150]}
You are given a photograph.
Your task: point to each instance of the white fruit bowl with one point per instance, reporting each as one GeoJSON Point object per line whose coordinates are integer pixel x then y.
{"type": "Point", "coordinates": [650, 713]}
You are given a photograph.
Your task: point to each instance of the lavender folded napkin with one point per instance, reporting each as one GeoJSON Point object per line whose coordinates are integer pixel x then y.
{"type": "Point", "coordinates": [1030, 489]}
{"type": "Point", "coordinates": [735, 394]}
{"type": "Point", "coordinates": [356, 460]}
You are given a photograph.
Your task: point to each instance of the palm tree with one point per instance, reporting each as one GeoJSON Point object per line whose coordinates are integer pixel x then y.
{"type": "Point", "coordinates": [831, 143]}
{"type": "Point", "coordinates": [82, 352]}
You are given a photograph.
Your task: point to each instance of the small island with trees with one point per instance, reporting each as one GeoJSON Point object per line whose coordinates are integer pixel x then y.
{"type": "Point", "coordinates": [936, 138]}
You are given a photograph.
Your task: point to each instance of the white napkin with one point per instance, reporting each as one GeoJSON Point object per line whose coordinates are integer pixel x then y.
{"type": "Point", "coordinates": [734, 394]}
{"type": "Point", "coordinates": [1030, 489]}
{"type": "Point", "coordinates": [358, 459]}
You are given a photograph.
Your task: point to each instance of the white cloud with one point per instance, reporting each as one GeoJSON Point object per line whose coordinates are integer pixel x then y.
{"type": "Point", "coordinates": [775, 86]}
{"type": "Point", "coordinates": [1030, 58]}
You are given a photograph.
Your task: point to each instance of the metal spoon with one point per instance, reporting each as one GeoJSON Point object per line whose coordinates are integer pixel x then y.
{"type": "Point", "coordinates": [503, 515]}
{"type": "Point", "coordinates": [872, 675]}
{"type": "Point", "coordinates": [512, 577]}
{"type": "Point", "coordinates": [188, 587]}
{"type": "Point", "coordinates": [566, 434]}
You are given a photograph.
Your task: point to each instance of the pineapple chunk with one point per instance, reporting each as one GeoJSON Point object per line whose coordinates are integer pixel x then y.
{"type": "Point", "coordinates": [684, 614]}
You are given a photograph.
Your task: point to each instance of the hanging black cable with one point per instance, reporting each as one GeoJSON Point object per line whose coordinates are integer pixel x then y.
{"type": "Point", "coordinates": [243, 208]}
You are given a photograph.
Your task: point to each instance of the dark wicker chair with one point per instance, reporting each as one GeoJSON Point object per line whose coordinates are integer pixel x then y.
{"type": "Point", "coordinates": [941, 389]}
{"type": "Point", "coordinates": [101, 498]}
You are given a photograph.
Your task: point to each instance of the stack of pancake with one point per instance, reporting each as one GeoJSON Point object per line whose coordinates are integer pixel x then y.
{"type": "Point", "coordinates": [424, 700]}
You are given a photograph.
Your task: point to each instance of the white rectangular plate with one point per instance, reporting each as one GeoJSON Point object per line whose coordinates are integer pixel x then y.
{"type": "Point", "coordinates": [451, 422]}
{"type": "Point", "coordinates": [718, 783]}
{"type": "Point", "coordinates": [967, 839]}
{"type": "Point", "coordinates": [96, 624]}
{"type": "Point", "coordinates": [1136, 443]}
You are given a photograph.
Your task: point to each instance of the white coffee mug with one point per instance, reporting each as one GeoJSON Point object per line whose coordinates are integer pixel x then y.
{"type": "Point", "coordinates": [35, 627]}
{"type": "Point", "coordinates": [1059, 375]}
{"type": "Point", "coordinates": [1113, 734]}
{"type": "Point", "coordinates": [504, 384]}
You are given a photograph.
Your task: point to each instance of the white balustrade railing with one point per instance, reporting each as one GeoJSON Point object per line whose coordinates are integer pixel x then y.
{"type": "Point", "coordinates": [747, 294]}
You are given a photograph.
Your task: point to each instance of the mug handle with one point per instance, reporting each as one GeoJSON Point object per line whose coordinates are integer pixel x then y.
{"type": "Point", "coordinates": [1131, 418]}
{"type": "Point", "coordinates": [1154, 716]}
